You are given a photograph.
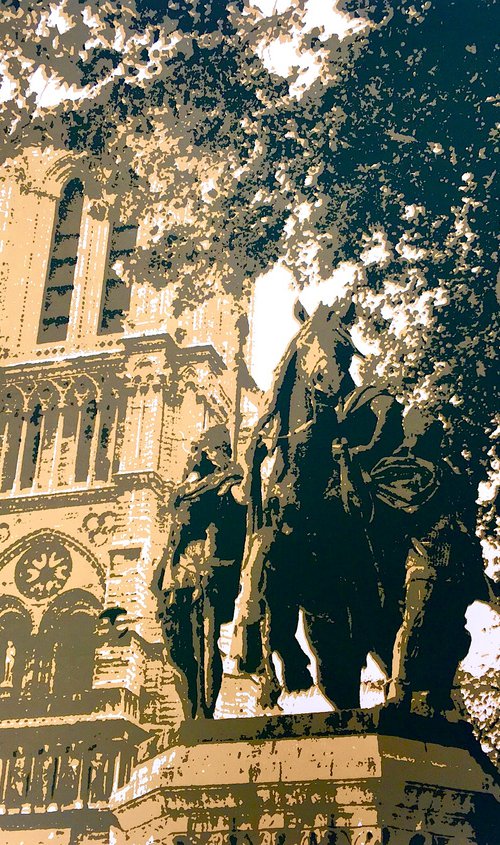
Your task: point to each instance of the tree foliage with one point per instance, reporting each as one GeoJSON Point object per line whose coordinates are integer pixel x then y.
{"type": "Point", "coordinates": [381, 156]}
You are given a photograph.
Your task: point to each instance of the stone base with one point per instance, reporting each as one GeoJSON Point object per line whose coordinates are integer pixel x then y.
{"type": "Point", "coordinates": [335, 786]}
{"type": "Point", "coordinates": [73, 827]}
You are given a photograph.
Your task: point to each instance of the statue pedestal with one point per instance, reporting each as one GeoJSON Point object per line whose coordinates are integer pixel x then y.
{"type": "Point", "coordinates": [349, 786]}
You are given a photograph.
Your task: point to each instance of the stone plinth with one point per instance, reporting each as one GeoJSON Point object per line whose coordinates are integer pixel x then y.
{"type": "Point", "coordinates": [332, 785]}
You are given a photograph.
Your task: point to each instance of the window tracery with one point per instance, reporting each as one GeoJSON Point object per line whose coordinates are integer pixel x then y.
{"type": "Point", "coordinates": [43, 571]}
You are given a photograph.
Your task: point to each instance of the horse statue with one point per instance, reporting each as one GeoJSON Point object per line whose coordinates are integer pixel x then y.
{"type": "Point", "coordinates": [307, 544]}
{"type": "Point", "coordinates": [364, 524]}
{"type": "Point", "coordinates": [198, 578]}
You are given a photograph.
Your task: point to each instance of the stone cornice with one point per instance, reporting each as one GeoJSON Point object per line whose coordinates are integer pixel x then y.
{"type": "Point", "coordinates": [58, 362]}
{"type": "Point", "coordinates": [122, 482]}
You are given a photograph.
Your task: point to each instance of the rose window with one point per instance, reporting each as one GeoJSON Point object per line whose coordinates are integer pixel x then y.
{"type": "Point", "coordinates": [43, 571]}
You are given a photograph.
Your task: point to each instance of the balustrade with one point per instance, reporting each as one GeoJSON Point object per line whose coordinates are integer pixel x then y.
{"type": "Point", "coordinates": [58, 776]}
{"type": "Point", "coordinates": [96, 701]}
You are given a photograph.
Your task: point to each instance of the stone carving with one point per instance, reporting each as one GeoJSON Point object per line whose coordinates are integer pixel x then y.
{"type": "Point", "coordinates": [8, 666]}
{"type": "Point", "coordinates": [69, 777]}
{"type": "Point", "coordinates": [97, 778]}
{"type": "Point", "coordinates": [350, 527]}
{"type": "Point", "coordinates": [18, 778]}
{"type": "Point", "coordinates": [99, 526]}
{"type": "Point", "coordinates": [198, 582]}
{"type": "Point", "coordinates": [113, 624]}
{"type": "Point", "coordinates": [46, 778]}
{"type": "Point", "coordinates": [43, 570]}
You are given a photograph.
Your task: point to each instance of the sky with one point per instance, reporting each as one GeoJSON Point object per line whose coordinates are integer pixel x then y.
{"type": "Point", "coordinates": [273, 323]}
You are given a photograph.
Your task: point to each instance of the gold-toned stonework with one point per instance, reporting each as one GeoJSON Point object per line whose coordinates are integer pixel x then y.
{"type": "Point", "coordinates": [248, 432]}
{"type": "Point", "coordinates": [98, 420]}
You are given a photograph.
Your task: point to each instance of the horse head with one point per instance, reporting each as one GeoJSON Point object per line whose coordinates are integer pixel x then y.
{"type": "Point", "coordinates": [325, 348]}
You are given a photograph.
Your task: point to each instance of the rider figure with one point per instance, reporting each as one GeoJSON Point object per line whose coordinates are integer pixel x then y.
{"type": "Point", "coordinates": [328, 443]}
{"type": "Point", "coordinates": [444, 574]}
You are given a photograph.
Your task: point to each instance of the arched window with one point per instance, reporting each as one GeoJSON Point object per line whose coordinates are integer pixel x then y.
{"type": "Point", "coordinates": [107, 433]}
{"type": "Point", "coordinates": [32, 447]}
{"type": "Point", "coordinates": [84, 445]}
{"type": "Point", "coordinates": [59, 286]}
{"type": "Point", "coordinates": [11, 421]}
{"type": "Point", "coordinates": [74, 650]}
{"type": "Point", "coordinates": [116, 293]}
{"type": "Point", "coordinates": [66, 644]}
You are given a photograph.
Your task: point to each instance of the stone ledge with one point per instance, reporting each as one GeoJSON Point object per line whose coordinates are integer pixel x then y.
{"type": "Point", "coordinates": [386, 721]}
{"type": "Point", "coordinates": [358, 780]}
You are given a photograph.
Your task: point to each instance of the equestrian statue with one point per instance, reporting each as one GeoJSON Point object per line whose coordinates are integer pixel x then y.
{"type": "Point", "coordinates": [355, 518]}
{"type": "Point", "coordinates": [366, 525]}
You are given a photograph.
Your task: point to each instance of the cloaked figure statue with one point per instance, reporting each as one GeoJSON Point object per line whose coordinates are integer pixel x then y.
{"type": "Point", "coordinates": [435, 521]}
{"type": "Point", "coordinates": [199, 574]}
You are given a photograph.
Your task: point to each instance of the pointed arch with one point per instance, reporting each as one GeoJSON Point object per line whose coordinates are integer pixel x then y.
{"type": "Point", "coordinates": [47, 171]}
{"type": "Point", "coordinates": [66, 643]}
{"type": "Point", "coordinates": [12, 402]}
{"type": "Point", "coordinates": [16, 630]}
{"type": "Point", "coordinates": [69, 603]}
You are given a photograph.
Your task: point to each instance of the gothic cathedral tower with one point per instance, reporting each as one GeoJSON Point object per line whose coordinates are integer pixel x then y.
{"type": "Point", "coordinates": [102, 395]}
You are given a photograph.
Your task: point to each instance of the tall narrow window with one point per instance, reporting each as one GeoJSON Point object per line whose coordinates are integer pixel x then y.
{"type": "Point", "coordinates": [60, 278]}
{"type": "Point", "coordinates": [103, 458]}
{"type": "Point", "coordinates": [11, 421]}
{"type": "Point", "coordinates": [116, 293]}
{"type": "Point", "coordinates": [32, 447]}
{"type": "Point", "coordinates": [87, 426]}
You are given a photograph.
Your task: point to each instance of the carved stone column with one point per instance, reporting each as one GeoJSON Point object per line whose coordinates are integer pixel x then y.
{"type": "Point", "coordinates": [22, 446]}
{"type": "Point", "coordinates": [53, 475]}
{"type": "Point", "coordinates": [47, 453]}
{"type": "Point", "coordinates": [142, 433]}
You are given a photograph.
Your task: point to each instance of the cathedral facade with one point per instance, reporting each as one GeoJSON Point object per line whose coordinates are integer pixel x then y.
{"type": "Point", "coordinates": [103, 394]}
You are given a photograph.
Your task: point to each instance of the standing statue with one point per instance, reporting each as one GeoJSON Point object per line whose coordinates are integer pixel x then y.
{"type": "Point", "coordinates": [444, 572]}
{"type": "Point", "coordinates": [18, 778]}
{"type": "Point", "coordinates": [307, 545]}
{"type": "Point", "coordinates": [199, 576]}
{"type": "Point", "coordinates": [8, 667]}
